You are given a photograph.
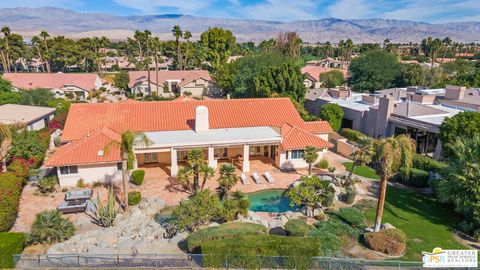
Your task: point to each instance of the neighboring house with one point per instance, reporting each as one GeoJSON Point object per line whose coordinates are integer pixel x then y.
{"type": "Point", "coordinates": [79, 85]}
{"type": "Point", "coordinates": [172, 82]}
{"type": "Point", "coordinates": [122, 63]}
{"type": "Point", "coordinates": [33, 117]}
{"type": "Point", "coordinates": [228, 130]}
{"type": "Point", "coordinates": [326, 63]}
{"type": "Point", "coordinates": [416, 111]}
{"type": "Point", "coordinates": [312, 75]}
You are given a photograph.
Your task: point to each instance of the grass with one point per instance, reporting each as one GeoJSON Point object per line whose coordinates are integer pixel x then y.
{"type": "Point", "coordinates": [427, 223]}
{"type": "Point", "coordinates": [362, 171]}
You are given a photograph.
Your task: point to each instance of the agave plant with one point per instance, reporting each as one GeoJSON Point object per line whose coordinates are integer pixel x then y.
{"type": "Point", "coordinates": [105, 214]}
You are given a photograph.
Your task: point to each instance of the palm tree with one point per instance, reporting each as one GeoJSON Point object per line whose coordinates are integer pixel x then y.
{"type": "Point", "coordinates": [5, 140]}
{"type": "Point", "coordinates": [104, 42]}
{"type": "Point", "coordinates": [228, 179]}
{"type": "Point", "coordinates": [207, 173]}
{"type": "Point", "coordinates": [310, 156]}
{"type": "Point", "coordinates": [45, 35]}
{"type": "Point", "coordinates": [195, 161]}
{"type": "Point", "coordinates": [362, 156]}
{"type": "Point", "coordinates": [447, 42]}
{"type": "Point", "coordinates": [6, 32]}
{"type": "Point", "coordinates": [36, 44]}
{"type": "Point", "coordinates": [435, 47]}
{"type": "Point", "coordinates": [157, 48]}
{"type": "Point", "coordinates": [177, 33]}
{"type": "Point", "coordinates": [128, 140]}
{"type": "Point", "coordinates": [187, 35]}
{"type": "Point", "coordinates": [390, 155]}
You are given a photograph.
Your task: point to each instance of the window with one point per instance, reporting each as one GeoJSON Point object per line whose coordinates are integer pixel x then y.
{"type": "Point", "coordinates": [297, 154]}
{"type": "Point", "coordinates": [68, 169]}
{"type": "Point", "coordinates": [119, 166]}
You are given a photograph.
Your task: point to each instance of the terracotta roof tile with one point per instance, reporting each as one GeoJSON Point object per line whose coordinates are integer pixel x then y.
{"type": "Point", "coordinates": [314, 71]}
{"type": "Point", "coordinates": [85, 81]}
{"type": "Point", "coordinates": [296, 138]}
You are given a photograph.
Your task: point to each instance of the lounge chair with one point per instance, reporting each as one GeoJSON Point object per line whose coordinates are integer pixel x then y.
{"type": "Point", "coordinates": [244, 179]}
{"type": "Point", "coordinates": [269, 177]}
{"type": "Point", "coordinates": [72, 207]}
{"type": "Point", "coordinates": [257, 178]}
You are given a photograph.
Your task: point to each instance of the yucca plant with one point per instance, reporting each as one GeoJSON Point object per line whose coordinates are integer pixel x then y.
{"type": "Point", "coordinates": [105, 214]}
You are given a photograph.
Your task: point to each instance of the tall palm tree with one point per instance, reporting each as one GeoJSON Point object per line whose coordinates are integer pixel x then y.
{"type": "Point", "coordinates": [45, 35]}
{"type": "Point", "coordinates": [206, 172]}
{"type": "Point", "coordinates": [362, 156]}
{"type": "Point", "coordinates": [228, 179]}
{"type": "Point", "coordinates": [104, 42]}
{"type": "Point", "coordinates": [157, 48]}
{"type": "Point", "coordinates": [177, 33]}
{"type": "Point", "coordinates": [187, 35]}
{"type": "Point", "coordinates": [128, 140]}
{"type": "Point", "coordinates": [447, 42]}
{"type": "Point", "coordinates": [391, 154]}
{"type": "Point", "coordinates": [5, 140]}
{"type": "Point", "coordinates": [36, 44]}
{"type": "Point", "coordinates": [6, 32]}
{"type": "Point", "coordinates": [310, 156]}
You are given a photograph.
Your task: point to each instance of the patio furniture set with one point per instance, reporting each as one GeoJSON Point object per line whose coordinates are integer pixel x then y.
{"type": "Point", "coordinates": [76, 201]}
{"type": "Point", "coordinates": [257, 178]}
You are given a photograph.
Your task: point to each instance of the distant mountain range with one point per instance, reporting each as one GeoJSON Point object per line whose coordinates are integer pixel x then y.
{"type": "Point", "coordinates": [29, 21]}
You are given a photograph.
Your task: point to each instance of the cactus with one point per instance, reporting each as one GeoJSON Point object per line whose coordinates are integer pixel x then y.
{"type": "Point", "coordinates": [105, 214]}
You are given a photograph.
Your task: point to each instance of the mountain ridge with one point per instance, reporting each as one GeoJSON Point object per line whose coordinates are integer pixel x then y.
{"type": "Point", "coordinates": [58, 21]}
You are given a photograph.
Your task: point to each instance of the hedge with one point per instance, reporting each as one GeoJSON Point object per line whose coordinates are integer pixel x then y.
{"type": "Point", "coordinates": [137, 177]}
{"type": "Point", "coordinates": [416, 177]}
{"type": "Point", "coordinates": [322, 164]}
{"type": "Point", "coordinates": [247, 252]}
{"type": "Point", "coordinates": [297, 227]}
{"type": "Point", "coordinates": [389, 241]}
{"type": "Point", "coordinates": [10, 191]}
{"type": "Point", "coordinates": [134, 197]}
{"type": "Point", "coordinates": [428, 164]}
{"type": "Point", "coordinates": [352, 135]}
{"type": "Point", "coordinates": [10, 244]}
{"type": "Point", "coordinates": [351, 215]}
{"type": "Point", "coordinates": [224, 231]}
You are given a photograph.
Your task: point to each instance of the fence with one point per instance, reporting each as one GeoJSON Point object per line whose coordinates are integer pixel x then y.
{"type": "Point", "coordinates": [197, 261]}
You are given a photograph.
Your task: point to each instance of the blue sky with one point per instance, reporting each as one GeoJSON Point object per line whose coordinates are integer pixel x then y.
{"type": "Point", "coordinates": [434, 11]}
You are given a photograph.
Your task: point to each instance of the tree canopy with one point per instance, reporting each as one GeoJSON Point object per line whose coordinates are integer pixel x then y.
{"type": "Point", "coordinates": [332, 79]}
{"type": "Point", "coordinates": [333, 114]}
{"type": "Point", "coordinates": [219, 44]}
{"type": "Point", "coordinates": [462, 125]}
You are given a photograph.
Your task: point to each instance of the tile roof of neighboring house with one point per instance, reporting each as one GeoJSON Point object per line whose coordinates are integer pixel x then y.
{"type": "Point", "coordinates": [89, 149]}
{"type": "Point", "coordinates": [168, 115]}
{"type": "Point", "coordinates": [296, 138]}
{"type": "Point", "coordinates": [14, 113]}
{"type": "Point", "coordinates": [314, 71]}
{"type": "Point", "coordinates": [85, 81]}
{"type": "Point", "coordinates": [184, 76]}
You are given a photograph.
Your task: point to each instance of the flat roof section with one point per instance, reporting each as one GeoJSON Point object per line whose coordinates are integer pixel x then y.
{"type": "Point", "coordinates": [14, 113]}
{"type": "Point", "coordinates": [212, 137]}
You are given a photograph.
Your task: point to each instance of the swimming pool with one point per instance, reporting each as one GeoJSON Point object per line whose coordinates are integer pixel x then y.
{"type": "Point", "coordinates": [270, 200]}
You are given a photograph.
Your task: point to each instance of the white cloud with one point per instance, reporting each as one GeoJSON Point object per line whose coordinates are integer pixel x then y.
{"type": "Point", "coordinates": [351, 9]}
{"type": "Point", "coordinates": [40, 3]}
{"type": "Point", "coordinates": [156, 6]}
{"type": "Point", "coordinates": [281, 10]}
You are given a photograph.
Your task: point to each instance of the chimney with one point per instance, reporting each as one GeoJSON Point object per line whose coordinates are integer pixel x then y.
{"type": "Point", "coordinates": [201, 119]}
{"type": "Point", "coordinates": [386, 106]}
{"type": "Point", "coordinates": [455, 92]}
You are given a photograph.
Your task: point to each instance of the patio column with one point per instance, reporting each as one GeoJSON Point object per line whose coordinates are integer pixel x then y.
{"type": "Point", "coordinates": [246, 161]}
{"type": "Point", "coordinates": [211, 158]}
{"type": "Point", "coordinates": [174, 165]}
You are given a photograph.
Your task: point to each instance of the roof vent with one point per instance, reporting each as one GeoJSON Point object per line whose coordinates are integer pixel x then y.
{"type": "Point", "coordinates": [100, 153]}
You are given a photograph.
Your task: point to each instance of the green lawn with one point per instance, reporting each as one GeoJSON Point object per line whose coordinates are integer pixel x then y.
{"type": "Point", "coordinates": [362, 171]}
{"type": "Point", "coordinates": [427, 223]}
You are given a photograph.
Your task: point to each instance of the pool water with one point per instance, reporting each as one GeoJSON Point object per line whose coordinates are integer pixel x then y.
{"type": "Point", "coordinates": [270, 200]}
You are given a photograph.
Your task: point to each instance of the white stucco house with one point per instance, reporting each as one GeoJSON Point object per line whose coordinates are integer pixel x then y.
{"type": "Point", "coordinates": [228, 130]}
{"type": "Point", "coordinates": [32, 117]}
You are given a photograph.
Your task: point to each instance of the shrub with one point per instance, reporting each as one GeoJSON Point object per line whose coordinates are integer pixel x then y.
{"type": "Point", "coordinates": [322, 164]}
{"type": "Point", "coordinates": [137, 177]}
{"type": "Point", "coordinates": [10, 244]}
{"type": "Point", "coordinates": [246, 251]}
{"type": "Point", "coordinates": [28, 145]}
{"type": "Point", "coordinates": [134, 197]}
{"type": "Point", "coordinates": [296, 227]}
{"type": "Point", "coordinates": [428, 164]}
{"type": "Point", "coordinates": [352, 135]}
{"type": "Point", "coordinates": [21, 167]}
{"type": "Point", "coordinates": [10, 190]}
{"type": "Point", "coordinates": [47, 184]}
{"type": "Point", "coordinates": [50, 227]}
{"type": "Point", "coordinates": [364, 204]}
{"type": "Point", "coordinates": [330, 243]}
{"type": "Point", "coordinates": [81, 183]}
{"type": "Point", "coordinates": [328, 200]}
{"type": "Point", "coordinates": [351, 215]}
{"type": "Point", "coordinates": [389, 241]}
{"type": "Point", "coordinates": [416, 177]}
{"type": "Point", "coordinates": [106, 214]}
{"type": "Point", "coordinates": [338, 228]}
{"type": "Point", "coordinates": [350, 195]}
{"type": "Point", "coordinates": [227, 230]}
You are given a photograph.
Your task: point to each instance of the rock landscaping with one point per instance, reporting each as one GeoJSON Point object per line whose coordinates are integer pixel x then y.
{"type": "Point", "coordinates": [134, 232]}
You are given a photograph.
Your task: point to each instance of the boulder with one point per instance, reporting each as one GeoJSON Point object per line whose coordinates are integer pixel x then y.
{"type": "Point", "coordinates": [293, 215]}
{"type": "Point", "coordinates": [387, 226]}
{"type": "Point", "coordinates": [110, 238]}
{"type": "Point", "coordinates": [125, 246]}
{"type": "Point", "coordinates": [318, 211]}
{"type": "Point", "coordinates": [101, 250]}
{"type": "Point", "coordinates": [81, 221]}
{"type": "Point", "coordinates": [213, 224]}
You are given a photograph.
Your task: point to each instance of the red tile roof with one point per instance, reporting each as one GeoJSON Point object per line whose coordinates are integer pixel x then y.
{"type": "Point", "coordinates": [85, 81]}
{"type": "Point", "coordinates": [169, 116]}
{"type": "Point", "coordinates": [185, 76]}
{"type": "Point", "coordinates": [314, 71]}
{"type": "Point", "coordinates": [296, 138]}
{"type": "Point", "coordinates": [86, 150]}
